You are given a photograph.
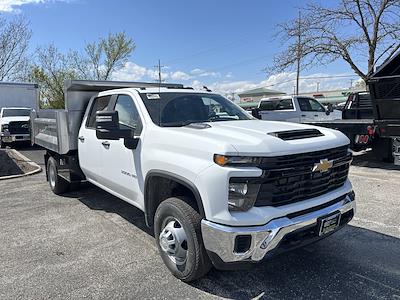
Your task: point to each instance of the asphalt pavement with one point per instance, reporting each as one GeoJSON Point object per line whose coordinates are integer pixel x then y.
{"type": "Point", "coordinates": [91, 244]}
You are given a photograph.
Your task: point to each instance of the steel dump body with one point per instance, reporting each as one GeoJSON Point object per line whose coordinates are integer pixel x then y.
{"type": "Point", "coordinates": [57, 130]}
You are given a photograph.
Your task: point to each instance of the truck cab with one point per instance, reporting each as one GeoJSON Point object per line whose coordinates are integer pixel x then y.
{"type": "Point", "coordinates": [298, 109]}
{"type": "Point", "coordinates": [219, 187]}
{"type": "Point", "coordinates": [14, 125]}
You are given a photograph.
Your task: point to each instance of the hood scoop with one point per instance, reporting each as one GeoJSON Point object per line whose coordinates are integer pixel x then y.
{"type": "Point", "coordinates": [297, 134]}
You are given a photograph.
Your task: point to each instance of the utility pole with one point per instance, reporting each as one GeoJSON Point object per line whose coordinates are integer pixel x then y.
{"type": "Point", "coordinates": [317, 86]}
{"type": "Point", "coordinates": [299, 50]}
{"type": "Point", "coordinates": [159, 68]}
{"type": "Point", "coordinates": [351, 84]}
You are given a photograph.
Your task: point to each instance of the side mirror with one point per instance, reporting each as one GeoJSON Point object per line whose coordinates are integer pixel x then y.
{"type": "Point", "coordinates": [256, 113]}
{"type": "Point", "coordinates": [107, 127]}
{"type": "Point", "coordinates": [327, 112]}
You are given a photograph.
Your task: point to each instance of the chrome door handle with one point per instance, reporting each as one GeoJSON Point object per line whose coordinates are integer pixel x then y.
{"type": "Point", "coordinates": [81, 138]}
{"type": "Point", "coordinates": [106, 144]}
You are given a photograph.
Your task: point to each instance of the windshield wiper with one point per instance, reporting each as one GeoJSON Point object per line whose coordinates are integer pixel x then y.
{"type": "Point", "coordinates": [182, 123]}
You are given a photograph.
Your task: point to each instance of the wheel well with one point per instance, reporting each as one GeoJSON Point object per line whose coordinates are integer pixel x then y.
{"type": "Point", "coordinates": [161, 187]}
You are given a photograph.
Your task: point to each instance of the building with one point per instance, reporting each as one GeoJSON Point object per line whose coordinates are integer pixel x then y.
{"type": "Point", "coordinates": [249, 99]}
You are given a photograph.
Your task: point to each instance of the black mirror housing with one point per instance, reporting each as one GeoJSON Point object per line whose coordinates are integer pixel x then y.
{"type": "Point", "coordinates": [107, 127]}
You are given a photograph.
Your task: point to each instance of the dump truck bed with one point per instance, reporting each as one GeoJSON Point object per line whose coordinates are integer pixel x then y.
{"type": "Point", "coordinates": [57, 130]}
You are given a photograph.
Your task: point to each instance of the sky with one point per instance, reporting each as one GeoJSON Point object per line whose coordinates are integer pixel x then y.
{"type": "Point", "coordinates": [222, 44]}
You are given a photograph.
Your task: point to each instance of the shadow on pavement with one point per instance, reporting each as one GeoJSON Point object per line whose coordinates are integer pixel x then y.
{"type": "Point", "coordinates": [353, 263]}
{"type": "Point", "coordinates": [97, 199]}
{"type": "Point", "coordinates": [368, 160]}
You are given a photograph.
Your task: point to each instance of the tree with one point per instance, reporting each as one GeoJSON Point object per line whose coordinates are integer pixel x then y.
{"type": "Point", "coordinates": [52, 68]}
{"type": "Point", "coordinates": [14, 41]}
{"type": "Point", "coordinates": [102, 58]}
{"type": "Point", "coordinates": [99, 61]}
{"type": "Point", "coordinates": [363, 33]}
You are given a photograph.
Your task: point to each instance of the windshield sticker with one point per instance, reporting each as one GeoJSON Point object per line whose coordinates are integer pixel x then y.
{"type": "Point", "coordinates": [153, 96]}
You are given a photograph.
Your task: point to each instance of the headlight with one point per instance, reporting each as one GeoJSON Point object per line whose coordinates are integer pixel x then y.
{"type": "Point", "coordinates": [242, 195]}
{"type": "Point", "coordinates": [4, 127]}
{"type": "Point", "coordinates": [247, 161]}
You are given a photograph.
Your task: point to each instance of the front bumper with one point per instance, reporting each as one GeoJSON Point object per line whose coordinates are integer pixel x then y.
{"type": "Point", "coordinates": [221, 240]}
{"type": "Point", "coordinates": [9, 138]}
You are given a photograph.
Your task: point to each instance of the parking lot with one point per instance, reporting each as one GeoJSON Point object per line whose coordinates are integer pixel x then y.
{"type": "Point", "coordinates": [91, 244]}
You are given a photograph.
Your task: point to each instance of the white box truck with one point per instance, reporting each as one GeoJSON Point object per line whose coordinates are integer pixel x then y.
{"type": "Point", "coordinates": [17, 100]}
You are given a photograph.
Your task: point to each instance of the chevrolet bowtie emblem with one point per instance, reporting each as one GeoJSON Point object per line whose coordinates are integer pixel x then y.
{"type": "Point", "coordinates": [323, 166]}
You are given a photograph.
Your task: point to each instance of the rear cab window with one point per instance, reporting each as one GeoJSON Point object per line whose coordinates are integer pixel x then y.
{"type": "Point", "coordinates": [98, 104]}
{"type": "Point", "coordinates": [276, 104]}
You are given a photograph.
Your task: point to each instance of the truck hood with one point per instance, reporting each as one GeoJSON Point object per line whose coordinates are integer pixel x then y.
{"type": "Point", "coordinates": [7, 120]}
{"type": "Point", "coordinates": [253, 137]}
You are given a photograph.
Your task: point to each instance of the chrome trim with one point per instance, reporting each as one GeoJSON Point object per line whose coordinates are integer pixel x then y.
{"type": "Point", "coordinates": [220, 239]}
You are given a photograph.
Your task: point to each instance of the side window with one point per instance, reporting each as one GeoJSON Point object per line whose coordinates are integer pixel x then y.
{"type": "Point", "coordinates": [128, 114]}
{"type": "Point", "coordinates": [285, 104]}
{"type": "Point", "coordinates": [304, 104]}
{"type": "Point", "coordinates": [99, 104]}
{"type": "Point", "coordinates": [308, 104]}
{"type": "Point", "coordinates": [316, 106]}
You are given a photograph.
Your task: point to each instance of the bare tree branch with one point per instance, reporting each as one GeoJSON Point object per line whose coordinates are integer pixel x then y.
{"type": "Point", "coordinates": [352, 29]}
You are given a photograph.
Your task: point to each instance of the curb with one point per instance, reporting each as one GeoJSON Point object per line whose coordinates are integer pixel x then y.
{"type": "Point", "coordinates": [37, 169]}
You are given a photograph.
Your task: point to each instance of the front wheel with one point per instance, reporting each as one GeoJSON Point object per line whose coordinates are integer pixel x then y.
{"type": "Point", "coordinates": [57, 184]}
{"type": "Point", "coordinates": [178, 236]}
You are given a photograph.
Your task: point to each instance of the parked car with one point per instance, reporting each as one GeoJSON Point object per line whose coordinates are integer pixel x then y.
{"type": "Point", "coordinates": [14, 125]}
{"type": "Point", "coordinates": [217, 186]}
{"type": "Point", "coordinates": [298, 109]}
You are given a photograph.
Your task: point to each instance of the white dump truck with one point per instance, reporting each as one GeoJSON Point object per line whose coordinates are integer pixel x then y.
{"type": "Point", "coordinates": [218, 186]}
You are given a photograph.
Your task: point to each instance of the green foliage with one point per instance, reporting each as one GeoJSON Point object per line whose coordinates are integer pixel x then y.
{"type": "Point", "coordinates": [98, 61]}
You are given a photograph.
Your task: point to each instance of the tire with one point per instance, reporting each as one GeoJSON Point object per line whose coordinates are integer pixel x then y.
{"type": "Point", "coordinates": [2, 144]}
{"type": "Point", "coordinates": [382, 149]}
{"type": "Point", "coordinates": [57, 184]}
{"type": "Point", "coordinates": [182, 216]}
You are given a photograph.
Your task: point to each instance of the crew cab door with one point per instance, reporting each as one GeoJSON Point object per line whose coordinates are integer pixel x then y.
{"type": "Point", "coordinates": [121, 166]}
{"type": "Point", "coordinates": [89, 147]}
{"type": "Point", "coordinates": [311, 110]}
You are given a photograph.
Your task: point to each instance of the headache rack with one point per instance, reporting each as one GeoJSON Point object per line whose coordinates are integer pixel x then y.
{"type": "Point", "coordinates": [57, 129]}
{"type": "Point", "coordinates": [384, 86]}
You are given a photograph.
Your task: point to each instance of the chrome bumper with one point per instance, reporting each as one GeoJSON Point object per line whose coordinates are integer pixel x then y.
{"type": "Point", "coordinates": [220, 239]}
{"type": "Point", "coordinates": [8, 138]}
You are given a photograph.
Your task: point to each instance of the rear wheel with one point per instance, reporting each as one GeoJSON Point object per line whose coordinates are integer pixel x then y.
{"type": "Point", "coordinates": [178, 236]}
{"type": "Point", "coordinates": [57, 184]}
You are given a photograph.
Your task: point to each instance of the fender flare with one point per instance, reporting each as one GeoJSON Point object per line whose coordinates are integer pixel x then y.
{"type": "Point", "coordinates": [179, 179]}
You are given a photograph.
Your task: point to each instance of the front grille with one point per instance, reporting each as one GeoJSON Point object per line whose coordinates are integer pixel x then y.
{"type": "Point", "coordinates": [290, 178]}
{"type": "Point", "coordinates": [18, 127]}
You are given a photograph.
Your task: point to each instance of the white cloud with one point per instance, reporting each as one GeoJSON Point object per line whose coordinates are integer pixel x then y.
{"type": "Point", "coordinates": [13, 5]}
{"type": "Point", "coordinates": [224, 84]}
{"type": "Point", "coordinates": [130, 72]}
{"type": "Point", "coordinates": [179, 75]}
{"type": "Point", "coordinates": [282, 82]}
{"type": "Point", "coordinates": [204, 73]}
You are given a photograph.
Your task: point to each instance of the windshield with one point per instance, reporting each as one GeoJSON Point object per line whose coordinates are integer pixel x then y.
{"type": "Point", "coordinates": [180, 109]}
{"type": "Point", "coordinates": [16, 112]}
